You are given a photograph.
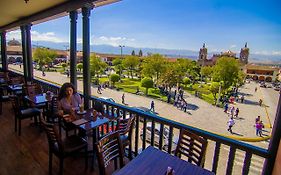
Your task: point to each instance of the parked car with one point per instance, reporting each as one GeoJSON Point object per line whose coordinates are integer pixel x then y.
{"type": "Point", "coordinates": [277, 88]}
{"type": "Point", "coordinates": [108, 99]}
{"type": "Point", "coordinates": [269, 85]}
{"type": "Point", "coordinates": [156, 133]}
{"type": "Point", "coordinates": [145, 110]}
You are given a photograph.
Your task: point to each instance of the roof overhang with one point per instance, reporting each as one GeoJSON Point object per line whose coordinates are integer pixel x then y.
{"type": "Point", "coordinates": [15, 13]}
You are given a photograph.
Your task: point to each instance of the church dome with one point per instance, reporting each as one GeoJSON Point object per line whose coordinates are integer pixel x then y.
{"type": "Point", "coordinates": [14, 42]}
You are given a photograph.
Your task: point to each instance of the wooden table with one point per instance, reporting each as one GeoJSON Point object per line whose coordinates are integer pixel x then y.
{"type": "Point", "coordinates": [39, 99]}
{"type": "Point", "coordinates": [88, 123]}
{"type": "Point", "coordinates": [153, 161]}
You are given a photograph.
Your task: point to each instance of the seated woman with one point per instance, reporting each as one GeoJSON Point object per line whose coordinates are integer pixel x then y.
{"type": "Point", "coordinates": [69, 99]}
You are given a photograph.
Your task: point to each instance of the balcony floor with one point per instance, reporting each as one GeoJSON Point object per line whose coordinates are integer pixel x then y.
{"type": "Point", "coordinates": [28, 153]}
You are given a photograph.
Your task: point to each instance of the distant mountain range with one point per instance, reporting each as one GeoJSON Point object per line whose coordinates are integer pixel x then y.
{"type": "Point", "coordinates": [254, 58]}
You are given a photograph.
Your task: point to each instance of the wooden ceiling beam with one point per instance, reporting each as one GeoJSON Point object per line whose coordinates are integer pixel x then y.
{"type": "Point", "coordinates": [51, 13]}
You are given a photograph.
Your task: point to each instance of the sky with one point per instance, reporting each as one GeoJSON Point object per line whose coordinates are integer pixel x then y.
{"type": "Point", "coordinates": [177, 24]}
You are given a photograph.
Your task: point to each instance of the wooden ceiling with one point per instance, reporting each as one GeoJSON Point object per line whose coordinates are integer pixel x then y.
{"type": "Point", "coordinates": [14, 13]}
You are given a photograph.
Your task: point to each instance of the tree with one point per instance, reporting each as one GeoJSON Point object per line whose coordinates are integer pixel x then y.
{"type": "Point", "coordinates": [206, 71]}
{"type": "Point", "coordinates": [130, 62]}
{"type": "Point", "coordinates": [117, 63]}
{"type": "Point", "coordinates": [226, 70]}
{"type": "Point", "coordinates": [147, 83]}
{"type": "Point", "coordinates": [154, 66]}
{"type": "Point", "coordinates": [63, 65]}
{"type": "Point", "coordinates": [186, 81]}
{"type": "Point", "coordinates": [140, 53]}
{"type": "Point", "coordinates": [114, 78]}
{"type": "Point", "coordinates": [214, 88]}
{"type": "Point", "coordinates": [97, 66]}
{"type": "Point", "coordinates": [133, 53]}
{"type": "Point", "coordinates": [79, 66]}
{"type": "Point", "coordinates": [44, 56]}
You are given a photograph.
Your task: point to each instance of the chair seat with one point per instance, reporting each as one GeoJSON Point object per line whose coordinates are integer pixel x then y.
{"type": "Point", "coordinates": [4, 98]}
{"type": "Point", "coordinates": [73, 143]}
{"type": "Point", "coordinates": [30, 112]}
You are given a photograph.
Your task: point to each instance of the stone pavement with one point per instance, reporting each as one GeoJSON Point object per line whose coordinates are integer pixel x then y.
{"type": "Point", "coordinates": [207, 116]}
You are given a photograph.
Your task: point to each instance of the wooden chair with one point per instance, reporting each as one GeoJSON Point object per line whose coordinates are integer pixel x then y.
{"type": "Point", "coordinates": [63, 148]}
{"type": "Point", "coordinates": [32, 89]}
{"type": "Point", "coordinates": [52, 112]}
{"type": "Point", "coordinates": [16, 80]}
{"type": "Point", "coordinates": [22, 113]}
{"type": "Point", "coordinates": [192, 146]}
{"type": "Point", "coordinates": [109, 148]}
{"type": "Point", "coordinates": [125, 129]}
{"type": "Point", "coordinates": [3, 98]}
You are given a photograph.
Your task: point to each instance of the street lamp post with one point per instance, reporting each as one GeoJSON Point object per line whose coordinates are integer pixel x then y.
{"type": "Point", "coordinates": [218, 100]}
{"type": "Point", "coordinates": [121, 49]}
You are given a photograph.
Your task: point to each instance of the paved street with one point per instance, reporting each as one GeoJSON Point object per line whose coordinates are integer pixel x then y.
{"type": "Point", "coordinates": [204, 115]}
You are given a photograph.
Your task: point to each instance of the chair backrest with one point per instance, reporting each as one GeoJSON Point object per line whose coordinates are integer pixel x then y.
{"type": "Point", "coordinates": [16, 80]}
{"type": "Point", "coordinates": [109, 148]}
{"type": "Point", "coordinates": [32, 89]}
{"type": "Point", "coordinates": [16, 104]}
{"type": "Point", "coordinates": [192, 146]}
{"type": "Point", "coordinates": [125, 126]}
{"type": "Point", "coordinates": [54, 104]}
{"type": "Point", "coordinates": [4, 75]}
{"type": "Point", "coordinates": [52, 135]}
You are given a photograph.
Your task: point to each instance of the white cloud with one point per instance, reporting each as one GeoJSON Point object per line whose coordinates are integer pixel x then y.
{"type": "Point", "coordinates": [233, 46]}
{"type": "Point", "coordinates": [114, 41]}
{"type": "Point", "coordinates": [264, 52]}
{"type": "Point", "coordinates": [48, 36]}
{"type": "Point", "coordinates": [37, 36]}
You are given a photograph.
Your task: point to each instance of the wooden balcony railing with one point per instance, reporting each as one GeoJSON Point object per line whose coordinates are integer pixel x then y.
{"type": "Point", "coordinates": [164, 139]}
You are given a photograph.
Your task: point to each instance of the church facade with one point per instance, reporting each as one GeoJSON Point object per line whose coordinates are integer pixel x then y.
{"type": "Point", "coordinates": [204, 61]}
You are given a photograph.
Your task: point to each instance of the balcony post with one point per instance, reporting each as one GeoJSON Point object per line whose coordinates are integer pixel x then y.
{"type": "Point", "coordinates": [4, 52]}
{"type": "Point", "coordinates": [86, 56]}
{"type": "Point", "coordinates": [24, 54]}
{"type": "Point", "coordinates": [29, 53]}
{"type": "Point", "coordinates": [274, 141]}
{"type": "Point", "coordinates": [73, 48]}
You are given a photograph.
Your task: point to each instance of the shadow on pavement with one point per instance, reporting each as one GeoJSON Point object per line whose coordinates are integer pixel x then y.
{"type": "Point", "coordinates": [245, 94]}
{"type": "Point", "coordinates": [192, 107]}
{"type": "Point", "coordinates": [234, 133]}
{"type": "Point", "coordinates": [249, 102]}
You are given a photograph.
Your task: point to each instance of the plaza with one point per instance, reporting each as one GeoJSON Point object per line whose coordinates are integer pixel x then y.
{"type": "Point", "coordinates": [201, 114]}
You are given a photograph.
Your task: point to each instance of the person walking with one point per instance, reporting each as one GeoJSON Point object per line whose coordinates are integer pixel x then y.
{"type": "Point", "coordinates": [152, 107]}
{"type": "Point", "coordinates": [260, 102]}
{"type": "Point", "coordinates": [225, 107]}
{"type": "Point", "coordinates": [259, 126]}
{"type": "Point", "coordinates": [258, 119]}
{"type": "Point", "coordinates": [256, 89]}
{"type": "Point", "coordinates": [230, 124]}
{"type": "Point", "coordinates": [123, 98]}
{"type": "Point", "coordinates": [242, 99]}
{"type": "Point", "coordinates": [236, 112]}
{"type": "Point", "coordinates": [99, 89]}
{"type": "Point", "coordinates": [232, 109]}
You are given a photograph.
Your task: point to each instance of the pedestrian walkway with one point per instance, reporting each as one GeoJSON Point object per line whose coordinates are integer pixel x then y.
{"type": "Point", "coordinates": [207, 116]}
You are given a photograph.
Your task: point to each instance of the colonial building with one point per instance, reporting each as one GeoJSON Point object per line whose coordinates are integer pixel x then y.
{"type": "Point", "coordinates": [204, 61]}
{"type": "Point", "coordinates": [244, 54]}
{"type": "Point", "coordinates": [261, 73]}
{"type": "Point", "coordinates": [14, 51]}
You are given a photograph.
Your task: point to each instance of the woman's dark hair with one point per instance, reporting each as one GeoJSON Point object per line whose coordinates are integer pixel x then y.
{"type": "Point", "coordinates": [63, 88]}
